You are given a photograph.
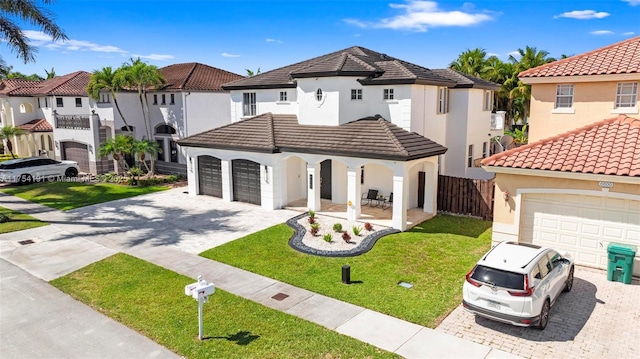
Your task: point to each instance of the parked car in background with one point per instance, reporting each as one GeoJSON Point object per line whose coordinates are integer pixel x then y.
{"type": "Point", "coordinates": [27, 170]}
{"type": "Point", "coordinates": [517, 283]}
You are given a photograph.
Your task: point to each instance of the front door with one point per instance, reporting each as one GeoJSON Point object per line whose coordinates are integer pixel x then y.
{"type": "Point", "coordinates": [420, 189]}
{"type": "Point", "coordinates": [325, 179]}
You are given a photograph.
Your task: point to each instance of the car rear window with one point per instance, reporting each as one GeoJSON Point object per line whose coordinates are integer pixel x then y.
{"type": "Point", "coordinates": [499, 278]}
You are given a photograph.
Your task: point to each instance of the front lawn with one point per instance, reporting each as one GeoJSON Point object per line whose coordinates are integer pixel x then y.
{"type": "Point", "coordinates": [151, 300]}
{"type": "Point", "coordinates": [11, 221]}
{"type": "Point", "coordinates": [433, 256]}
{"type": "Point", "coordinates": [69, 195]}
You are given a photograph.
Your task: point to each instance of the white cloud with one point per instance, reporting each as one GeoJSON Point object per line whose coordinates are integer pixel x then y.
{"type": "Point", "coordinates": [273, 40]}
{"type": "Point", "coordinates": [632, 2]}
{"type": "Point", "coordinates": [514, 54]}
{"type": "Point", "coordinates": [156, 57]}
{"type": "Point", "coordinates": [420, 15]}
{"type": "Point", "coordinates": [583, 14]}
{"type": "Point", "coordinates": [489, 54]}
{"type": "Point", "coordinates": [226, 54]}
{"type": "Point", "coordinates": [601, 32]}
{"type": "Point", "coordinates": [40, 39]}
{"type": "Point", "coordinates": [628, 33]}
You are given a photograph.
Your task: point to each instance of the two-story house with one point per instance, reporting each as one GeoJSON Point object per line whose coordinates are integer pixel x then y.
{"type": "Point", "coordinates": [340, 124]}
{"type": "Point", "coordinates": [576, 185]}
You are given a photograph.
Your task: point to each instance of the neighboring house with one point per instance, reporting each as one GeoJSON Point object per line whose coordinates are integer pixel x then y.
{"type": "Point", "coordinates": [334, 126]}
{"type": "Point", "coordinates": [578, 188]}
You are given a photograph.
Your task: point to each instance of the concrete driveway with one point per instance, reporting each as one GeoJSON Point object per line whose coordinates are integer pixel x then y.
{"type": "Point", "coordinates": [597, 319]}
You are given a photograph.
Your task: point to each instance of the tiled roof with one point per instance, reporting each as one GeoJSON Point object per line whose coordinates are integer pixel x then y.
{"type": "Point", "coordinates": [376, 68]}
{"type": "Point", "coordinates": [463, 80]}
{"type": "Point", "coordinates": [40, 125]}
{"type": "Point", "coordinates": [18, 86]}
{"type": "Point", "coordinates": [371, 137]}
{"type": "Point", "coordinates": [194, 76]}
{"type": "Point", "coordinates": [72, 84]}
{"type": "Point", "coordinates": [609, 147]}
{"type": "Point", "coordinates": [620, 58]}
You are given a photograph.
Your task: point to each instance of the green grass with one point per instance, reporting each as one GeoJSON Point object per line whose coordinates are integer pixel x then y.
{"type": "Point", "coordinates": [151, 300]}
{"type": "Point", "coordinates": [18, 221]}
{"type": "Point", "coordinates": [69, 195]}
{"type": "Point", "coordinates": [6, 157]}
{"type": "Point", "coordinates": [433, 256]}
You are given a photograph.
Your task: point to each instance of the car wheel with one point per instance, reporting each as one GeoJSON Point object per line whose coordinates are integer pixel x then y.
{"type": "Point", "coordinates": [26, 179]}
{"type": "Point", "coordinates": [71, 172]}
{"type": "Point", "coordinates": [569, 283]}
{"type": "Point", "coordinates": [544, 316]}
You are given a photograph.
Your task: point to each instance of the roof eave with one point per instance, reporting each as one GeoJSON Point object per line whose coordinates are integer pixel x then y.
{"type": "Point", "coordinates": [414, 81]}
{"type": "Point", "coordinates": [224, 147]}
{"type": "Point", "coordinates": [259, 87]}
{"type": "Point", "coordinates": [562, 174]}
{"type": "Point", "coordinates": [334, 74]}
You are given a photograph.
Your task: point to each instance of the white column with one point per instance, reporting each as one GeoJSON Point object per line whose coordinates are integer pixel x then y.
{"type": "Point", "coordinates": [399, 219]}
{"type": "Point", "coordinates": [267, 189]}
{"type": "Point", "coordinates": [192, 177]}
{"type": "Point", "coordinates": [227, 185]}
{"type": "Point", "coordinates": [313, 186]}
{"type": "Point", "coordinates": [431, 188]}
{"type": "Point", "coordinates": [353, 192]}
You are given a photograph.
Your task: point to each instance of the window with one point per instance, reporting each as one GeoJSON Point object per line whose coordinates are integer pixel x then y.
{"type": "Point", "coordinates": [155, 99]}
{"type": "Point", "coordinates": [470, 156]}
{"type": "Point", "coordinates": [443, 100]}
{"type": "Point", "coordinates": [564, 96]}
{"type": "Point", "coordinates": [160, 154]}
{"type": "Point", "coordinates": [164, 99]}
{"type": "Point", "coordinates": [165, 130]}
{"type": "Point", "coordinates": [387, 94]}
{"type": "Point", "coordinates": [173, 99]}
{"type": "Point", "coordinates": [173, 151]}
{"type": "Point", "coordinates": [249, 104]}
{"type": "Point", "coordinates": [59, 102]}
{"type": "Point", "coordinates": [46, 102]}
{"type": "Point", "coordinates": [499, 278]}
{"type": "Point", "coordinates": [485, 147]}
{"type": "Point", "coordinates": [362, 175]}
{"type": "Point", "coordinates": [545, 267]}
{"type": "Point", "coordinates": [319, 95]}
{"type": "Point", "coordinates": [356, 94]}
{"type": "Point", "coordinates": [627, 94]}
{"type": "Point", "coordinates": [555, 259]}
{"type": "Point", "coordinates": [488, 101]}
{"type": "Point", "coordinates": [39, 102]}
{"type": "Point", "coordinates": [78, 102]}
{"type": "Point", "coordinates": [283, 96]}
{"type": "Point", "coordinates": [104, 98]}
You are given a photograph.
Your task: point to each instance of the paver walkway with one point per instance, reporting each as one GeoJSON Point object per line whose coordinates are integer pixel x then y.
{"type": "Point", "coordinates": [92, 242]}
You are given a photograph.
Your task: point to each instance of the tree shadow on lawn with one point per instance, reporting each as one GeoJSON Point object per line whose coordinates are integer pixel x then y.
{"type": "Point", "coordinates": [458, 225]}
{"type": "Point", "coordinates": [241, 337]}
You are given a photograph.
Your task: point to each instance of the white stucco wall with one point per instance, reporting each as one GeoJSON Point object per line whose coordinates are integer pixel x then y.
{"type": "Point", "coordinates": [266, 101]}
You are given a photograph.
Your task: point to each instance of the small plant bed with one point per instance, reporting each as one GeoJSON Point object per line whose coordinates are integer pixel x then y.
{"type": "Point", "coordinates": [11, 221]}
{"type": "Point", "coordinates": [70, 195]}
{"type": "Point", "coordinates": [136, 178]}
{"type": "Point", "coordinates": [233, 327]}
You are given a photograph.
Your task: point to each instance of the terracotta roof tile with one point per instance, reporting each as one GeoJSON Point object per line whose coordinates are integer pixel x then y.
{"type": "Point", "coordinates": [371, 137]}
{"type": "Point", "coordinates": [16, 86]}
{"type": "Point", "coordinates": [609, 147]}
{"type": "Point", "coordinates": [195, 76]}
{"type": "Point", "coordinates": [39, 125]}
{"type": "Point", "coordinates": [619, 58]}
{"type": "Point", "coordinates": [72, 84]}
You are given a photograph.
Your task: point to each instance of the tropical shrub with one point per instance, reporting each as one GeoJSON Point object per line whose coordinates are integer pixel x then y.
{"type": "Point", "coordinates": [315, 228]}
{"type": "Point", "coordinates": [357, 230]}
{"type": "Point", "coordinates": [346, 237]}
{"type": "Point", "coordinates": [337, 227]}
{"type": "Point", "coordinates": [327, 237]}
{"type": "Point", "coordinates": [368, 226]}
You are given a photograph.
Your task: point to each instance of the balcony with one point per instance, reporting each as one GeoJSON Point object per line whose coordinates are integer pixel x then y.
{"type": "Point", "coordinates": [73, 122]}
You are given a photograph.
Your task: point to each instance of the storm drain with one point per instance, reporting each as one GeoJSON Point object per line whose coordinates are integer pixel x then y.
{"type": "Point", "coordinates": [26, 241]}
{"type": "Point", "coordinates": [280, 296]}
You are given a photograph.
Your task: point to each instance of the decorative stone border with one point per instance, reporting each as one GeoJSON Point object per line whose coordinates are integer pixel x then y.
{"type": "Point", "coordinates": [367, 243]}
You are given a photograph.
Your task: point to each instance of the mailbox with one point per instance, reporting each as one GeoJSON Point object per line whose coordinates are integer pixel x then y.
{"type": "Point", "coordinates": [199, 289]}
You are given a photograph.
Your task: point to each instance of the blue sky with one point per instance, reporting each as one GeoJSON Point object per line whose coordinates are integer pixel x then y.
{"type": "Point", "coordinates": [239, 35]}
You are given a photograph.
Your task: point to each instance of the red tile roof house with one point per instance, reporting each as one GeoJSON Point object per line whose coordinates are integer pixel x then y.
{"type": "Point", "coordinates": [192, 101]}
{"type": "Point", "coordinates": [576, 185]}
{"type": "Point", "coordinates": [322, 132]}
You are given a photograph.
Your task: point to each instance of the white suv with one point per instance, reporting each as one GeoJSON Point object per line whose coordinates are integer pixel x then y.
{"type": "Point", "coordinates": [517, 283]}
{"type": "Point", "coordinates": [27, 170]}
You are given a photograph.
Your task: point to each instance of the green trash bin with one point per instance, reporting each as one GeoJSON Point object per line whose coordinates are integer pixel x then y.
{"type": "Point", "coordinates": [620, 268]}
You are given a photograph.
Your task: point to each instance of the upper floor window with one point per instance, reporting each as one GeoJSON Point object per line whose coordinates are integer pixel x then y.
{"type": "Point", "coordinates": [387, 94]}
{"type": "Point", "coordinates": [283, 96]}
{"type": "Point", "coordinates": [164, 99]}
{"type": "Point", "coordinates": [564, 96]}
{"type": "Point", "coordinates": [485, 149]}
{"type": "Point", "coordinates": [104, 98]}
{"type": "Point", "coordinates": [172, 97]}
{"type": "Point", "coordinates": [155, 99]}
{"type": "Point", "coordinates": [78, 101]}
{"type": "Point", "coordinates": [443, 100]}
{"type": "Point", "coordinates": [39, 103]}
{"type": "Point", "coordinates": [470, 156]}
{"type": "Point", "coordinates": [356, 94]}
{"type": "Point", "coordinates": [249, 104]}
{"type": "Point", "coordinates": [46, 102]}
{"type": "Point", "coordinates": [627, 94]}
{"type": "Point", "coordinates": [59, 102]}
{"type": "Point", "coordinates": [319, 94]}
{"type": "Point", "coordinates": [165, 130]}
{"type": "Point", "coordinates": [488, 101]}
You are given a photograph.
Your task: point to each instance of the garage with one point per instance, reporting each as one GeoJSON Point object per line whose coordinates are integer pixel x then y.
{"type": "Point", "coordinates": [75, 151]}
{"type": "Point", "coordinates": [580, 225]}
{"type": "Point", "coordinates": [209, 176]}
{"type": "Point", "coordinates": [246, 181]}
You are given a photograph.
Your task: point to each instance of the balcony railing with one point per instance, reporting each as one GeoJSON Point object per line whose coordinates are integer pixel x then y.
{"type": "Point", "coordinates": [73, 122]}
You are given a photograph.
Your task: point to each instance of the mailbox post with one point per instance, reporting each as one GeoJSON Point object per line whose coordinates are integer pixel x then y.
{"type": "Point", "coordinates": [200, 291]}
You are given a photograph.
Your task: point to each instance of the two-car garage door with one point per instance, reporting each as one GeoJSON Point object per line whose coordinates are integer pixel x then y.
{"type": "Point", "coordinates": [580, 225]}
{"type": "Point", "coordinates": [245, 174]}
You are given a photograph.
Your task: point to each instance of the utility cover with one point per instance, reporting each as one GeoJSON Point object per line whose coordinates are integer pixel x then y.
{"type": "Point", "coordinates": [405, 284]}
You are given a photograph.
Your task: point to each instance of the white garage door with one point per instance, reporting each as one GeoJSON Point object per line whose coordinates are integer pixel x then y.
{"type": "Point", "coordinates": [581, 225]}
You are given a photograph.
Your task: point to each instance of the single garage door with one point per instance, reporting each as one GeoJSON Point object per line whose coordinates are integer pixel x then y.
{"type": "Point", "coordinates": [580, 225]}
{"type": "Point", "coordinates": [209, 176]}
{"type": "Point", "coordinates": [75, 151]}
{"type": "Point", "coordinates": [246, 181]}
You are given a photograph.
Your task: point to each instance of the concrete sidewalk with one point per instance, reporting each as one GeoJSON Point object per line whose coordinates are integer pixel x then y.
{"type": "Point", "coordinates": [44, 259]}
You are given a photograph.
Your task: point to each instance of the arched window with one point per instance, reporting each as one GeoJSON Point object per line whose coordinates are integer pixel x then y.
{"type": "Point", "coordinates": [127, 128]}
{"type": "Point", "coordinates": [319, 94]}
{"type": "Point", "coordinates": [165, 130]}
{"type": "Point", "coordinates": [26, 108]}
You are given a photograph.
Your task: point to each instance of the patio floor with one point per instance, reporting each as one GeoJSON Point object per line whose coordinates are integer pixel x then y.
{"type": "Point", "coordinates": [371, 214]}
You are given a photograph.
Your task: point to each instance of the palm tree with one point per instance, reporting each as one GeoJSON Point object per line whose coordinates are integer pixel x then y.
{"type": "Point", "coordinates": [106, 80]}
{"type": "Point", "coordinates": [251, 73]}
{"type": "Point", "coordinates": [26, 12]}
{"type": "Point", "coordinates": [50, 74]}
{"type": "Point", "coordinates": [8, 132]}
{"type": "Point", "coordinates": [118, 147]}
{"type": "Point", "coordinates": [144, 146]}
{"type": "Point", "coordinates": [470, 61]}
{"type": "Point", "coordinates": [530, 57]}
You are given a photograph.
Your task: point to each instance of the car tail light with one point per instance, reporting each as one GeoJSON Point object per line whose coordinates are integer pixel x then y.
{"type": "Point", "coordinates": [525, 321]}
{"type": "Point", "coordinates": [528, 291]}
{"type": "Point", "coordinates": [471, 281]}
